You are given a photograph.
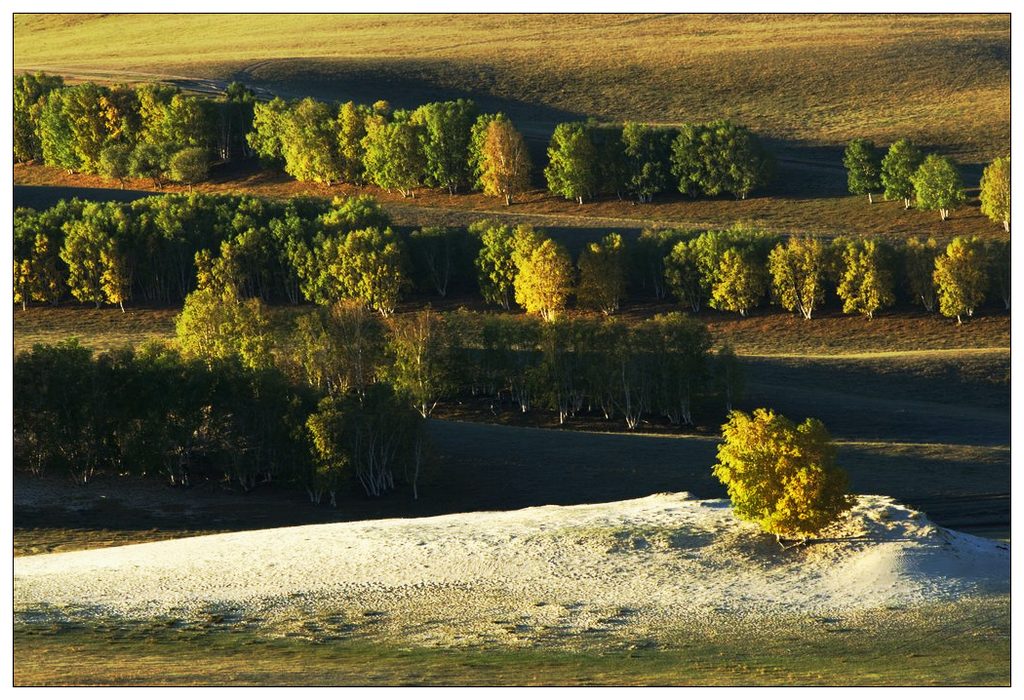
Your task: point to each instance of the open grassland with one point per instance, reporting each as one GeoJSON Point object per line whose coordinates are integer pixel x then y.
{"type": "Point", "coordinates": [965, 644]}
{"type": "Point", "coordinates": [941, 80]}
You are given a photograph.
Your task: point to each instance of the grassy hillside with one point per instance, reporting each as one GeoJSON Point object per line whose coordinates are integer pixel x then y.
{"type": "Point", "coordinates": [940, 80]}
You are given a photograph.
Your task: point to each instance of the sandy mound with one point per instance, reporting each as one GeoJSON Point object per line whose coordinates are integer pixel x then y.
{"type": "Point", "coordinates": [632, 567]}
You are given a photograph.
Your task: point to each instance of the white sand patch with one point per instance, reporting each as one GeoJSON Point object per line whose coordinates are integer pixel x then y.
{"type": "Point", "coordinates": [627, 567]}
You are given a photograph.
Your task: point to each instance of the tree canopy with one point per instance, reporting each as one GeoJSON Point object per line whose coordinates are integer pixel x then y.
{"type": "Point", "coordinates": [938, 186]}
{"type": "Point", "coordinates": [995, 191]}
{"type": "Point", "coordinates": [780, 475]}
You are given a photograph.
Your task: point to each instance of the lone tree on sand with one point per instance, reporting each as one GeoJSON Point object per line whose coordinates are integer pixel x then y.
{"type": "Point", "coordinates": [780, 475]}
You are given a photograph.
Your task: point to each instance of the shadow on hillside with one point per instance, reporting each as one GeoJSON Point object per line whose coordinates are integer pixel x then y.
{"type": "Point", "coordinates": [46, 196]}
{"type": "Point", "coordinates": [405, 84]}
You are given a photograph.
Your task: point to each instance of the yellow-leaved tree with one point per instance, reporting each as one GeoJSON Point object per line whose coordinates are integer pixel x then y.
{"type": "Point", "coordinates": [544, 279]}
{"type": "Point", "coordinates": [780, 475]}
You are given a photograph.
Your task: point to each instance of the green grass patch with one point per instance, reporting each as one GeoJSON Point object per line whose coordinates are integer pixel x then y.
{"type": "Point", "coordinates": [966, 643]}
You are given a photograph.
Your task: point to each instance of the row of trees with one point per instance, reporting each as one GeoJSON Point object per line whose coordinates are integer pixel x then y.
{"type": "Point", "coordinates": [640, 160]}
{"type": "Point", "coordinates": [659, 367]}
{"type": "Point", "coordinates": [441, 144]}
{"type": "Point", "coordinates": [156, 249]}
{"type": "Point", "coordinates": [932, 181]}
{"type": "Point", "coordinates": [152, 131]}
{"type": "Point", "coordinates": [339, 401]}
{"type": "Point", "coordinates": [451, 145]}
{"type": "Point", "coordinates": [156, 411]}
{"type": "Point", "coordinates": [738, 269]}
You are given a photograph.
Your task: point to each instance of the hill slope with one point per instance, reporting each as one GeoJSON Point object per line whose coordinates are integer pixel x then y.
{"type": "Point", "coordinates": [942, 80]}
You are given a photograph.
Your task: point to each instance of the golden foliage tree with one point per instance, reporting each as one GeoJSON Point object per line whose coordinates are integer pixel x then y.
{"type": "Point", "coordinates": [995, 191]}
{"type": "Point", "coordinates": [798, 270]}
{"type": "Point", "coordinates": [740, 284]}
{"type": "Point", "coordinates": [961, 278]}
{"type": "Point", "coordinates": [506, 162]}
{"type": "Point", "coordinates": [544, 280]}
{"type": "Point", "coordinates": [866, 284]}
{"type": "Point", "coordinates": [780, 475]}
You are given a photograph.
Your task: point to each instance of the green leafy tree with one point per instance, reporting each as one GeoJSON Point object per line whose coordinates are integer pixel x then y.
{"type": "Point", "coordinates": [995, 191]}
{"type": "Point", "coordinates": [189, 166]}
{"type": "Point", "coordinates": [149, 161]}
{"type": "Point", "coordinates": [898, 166]}
{"type": "Point", "coordinates": [444, 137]}
{"type": "Point", "coordinates": [544, 279]}
{"type": "Point", "coordinates": [496, 261]}
{"type": "Point", "coordinates": [309, 142]}
{"type": "Point", "coordinates": [961, 277]}
{"type": "Point", "coordinates": [331, 465]}
{"type": "Point", "coordinates": [116, 280]}
{"type": "Point", "coordinates": [267, 130]}
{"type": "Point", "coordinates": [649, 255]}
{"type": "Point", "coordinates": [394, 157]}
{"type": "Point", "coordinates": [572, 162]}
{"type": "Point", "coordinates": [866, 284]}
{"type": "Point", "coordinates": [740, 282]}
{"type": "Point", "coordinates": [30, 92]}
{"type": "Point", "coordinates": [504, 161]}
{"type": "Point", "coordinates": [720, 157]}
{"type": "Point", "coordinates": [781, 476]}
{"type": "Point", "coordinates": [115, 161]}
{"type": "Point", "coordinates": [215, 324]}
{"type": "Point", "coordinates": [798, 269]}
{"type": "Point", "coordinates": [351, 132]}
{"type": "Point", "coordinates": [370, 266]}
{"type": "Point", "coordinates": [938, 186]}
{"type": "Point", "coordinates": [602, 267]}
{"type": "Point", "coordinates": [56, 137]}
{"type": "Point", "coordinates": [83, 112]}
{"type": "Point", "coordinates": [646, 149]}
{"type": "Point", "coordinates": [862, 168]}
{"type": "Point", "coordinates": [422, 365]}
{"type": "Point", "coordinates": [919, 260]}
{"type": "Point", "coordinates": [85, 241]}
{"type": "Point", "coordinates": [339, 349]}
{"type": "Point", "coordinates": [683, 275]}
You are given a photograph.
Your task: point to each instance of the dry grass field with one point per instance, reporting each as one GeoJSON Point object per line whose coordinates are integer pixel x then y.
{"type": "Point", "coordinates": [942, 80]}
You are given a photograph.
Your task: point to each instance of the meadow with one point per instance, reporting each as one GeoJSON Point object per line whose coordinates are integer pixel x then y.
{"type": "Point", "coordinates": [812, 79]}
